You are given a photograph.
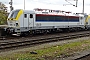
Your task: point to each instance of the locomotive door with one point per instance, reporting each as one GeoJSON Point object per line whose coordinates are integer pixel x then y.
{"type": "Point", "coordinates": [28, 20]}
{"type": "Point", "coordinates": [81, 21]}
{"type": "Point", "coordinates": [31, 20]}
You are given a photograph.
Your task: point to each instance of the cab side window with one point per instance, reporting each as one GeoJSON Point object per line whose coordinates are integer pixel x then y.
{"type": "Point", "coordinates": [25, 15]}
{"type": "Point", "coordinates": [31, 15]}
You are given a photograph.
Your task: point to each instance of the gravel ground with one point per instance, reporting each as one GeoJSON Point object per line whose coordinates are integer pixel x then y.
{"type": "Point", "coordinates": [46, 45]}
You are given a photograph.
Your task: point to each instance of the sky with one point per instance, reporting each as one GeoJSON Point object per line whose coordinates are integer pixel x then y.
{"type": "Point", "coordinates": [50, 4]}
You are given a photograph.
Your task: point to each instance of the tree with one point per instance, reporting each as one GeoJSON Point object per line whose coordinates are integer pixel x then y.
{"type": "Point", "coordinates": [3, 13]}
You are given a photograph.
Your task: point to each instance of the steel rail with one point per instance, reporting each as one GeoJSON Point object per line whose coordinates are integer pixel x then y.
{"type": "Point", "coordinates": [4, 45]}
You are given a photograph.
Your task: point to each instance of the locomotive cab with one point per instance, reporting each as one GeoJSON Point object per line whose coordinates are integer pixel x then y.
{"type": "Point", "coordinates": [12, 19]}
{"type": "Point", "coordinates": [20, 21]}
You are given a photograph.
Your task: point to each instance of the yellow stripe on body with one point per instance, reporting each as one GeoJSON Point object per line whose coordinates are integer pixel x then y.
{"type": "Point", "coordinates": [88, 17]}
{"type": "Point", "coordinates": [19, 14]}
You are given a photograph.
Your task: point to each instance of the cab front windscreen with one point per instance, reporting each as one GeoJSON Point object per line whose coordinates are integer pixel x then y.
{"type": "Point", "coordinates": [13, 14]}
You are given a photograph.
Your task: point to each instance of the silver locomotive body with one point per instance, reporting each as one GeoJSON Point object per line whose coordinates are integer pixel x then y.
{"type": "Point", "coordinates": [25, 21]}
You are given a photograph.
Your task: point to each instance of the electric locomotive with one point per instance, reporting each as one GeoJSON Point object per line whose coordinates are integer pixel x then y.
{"type": "Point", "coordinates": [44, 20]}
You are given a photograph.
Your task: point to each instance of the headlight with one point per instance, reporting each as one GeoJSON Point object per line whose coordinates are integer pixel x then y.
{"type": "Point", "coordinates": [11, 18]}
{"type": "Point", "coordinates": [17, 24]}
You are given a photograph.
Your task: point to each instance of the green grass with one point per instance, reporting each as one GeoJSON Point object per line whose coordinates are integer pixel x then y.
{"type": "Point", "coordinates": [50, 53]}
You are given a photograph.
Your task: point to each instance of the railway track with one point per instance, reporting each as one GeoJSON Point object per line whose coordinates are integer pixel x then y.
{"type": "Point", "coordinates": [86, 57]}
{"type": "Point", "coordinates": [30, 41]}
{"type": "Point", "coordinates": [83, 55]}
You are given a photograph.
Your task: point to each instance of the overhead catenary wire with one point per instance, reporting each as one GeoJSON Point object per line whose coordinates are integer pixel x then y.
{"type": "Point", "coordinates": [71, 3]}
